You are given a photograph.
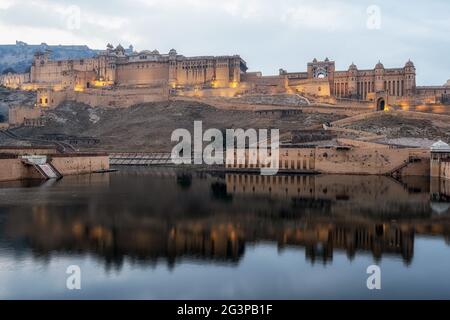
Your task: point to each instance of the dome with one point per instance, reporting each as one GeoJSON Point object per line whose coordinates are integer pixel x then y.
{"type": "Point", "coordinates": [120, 48]}
{"type": "Point", "coordinates": [326, 59]}
{"type": "Point", "coordinates": [352, 67]}
{"type": "Point", "coordinates": [315, 60]}
{"type": "Point", "coordinates": [172, 51]}
{"type": "Point", "coordinates": [409, 64]}
{"type": "Point", "coordinates": [440, 146]}
{"type": "Point", "coordinates": [379, 65]}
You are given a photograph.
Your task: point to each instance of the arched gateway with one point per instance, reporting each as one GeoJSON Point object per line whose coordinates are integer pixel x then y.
{"type": "Point", "coordinates": [381, 104]}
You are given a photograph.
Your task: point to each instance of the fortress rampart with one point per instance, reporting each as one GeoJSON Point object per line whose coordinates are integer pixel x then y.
{"type": "Point", "coordinates": [116, 72]}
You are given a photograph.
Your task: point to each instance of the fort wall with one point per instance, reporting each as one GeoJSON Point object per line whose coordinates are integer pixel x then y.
{"type": "Point", "coordinates": [340, 160]}
{"type": "Point", "coordinates": [20, 151]}
{"type": "Point", "coordinates": [14, 169]}
{"type": "Point", "coordinates": [80, 164]}
{"type": "Point", "coordinates": [20, 114]}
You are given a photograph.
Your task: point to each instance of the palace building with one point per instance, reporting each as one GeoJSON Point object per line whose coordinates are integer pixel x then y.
{"type": "Point", "coordinates": [137, 77]}
{"type": "Point", "coordinates": [354, 83]}
{"type": "Point", "coordinates": [147, 68]}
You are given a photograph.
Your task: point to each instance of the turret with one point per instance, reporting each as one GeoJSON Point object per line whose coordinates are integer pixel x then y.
{"type": "Point", "coordinates": [173, 68]}
{"type": "Point", "coordinates": [352, 80]}
{"type": "Point", "coordinates": [379, 77]}
{"type": "Point", "coordinates": [410, 78]}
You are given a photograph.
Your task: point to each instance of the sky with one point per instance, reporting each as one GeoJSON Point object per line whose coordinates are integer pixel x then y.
{"type": "Point", "coordinates": [268, 34]}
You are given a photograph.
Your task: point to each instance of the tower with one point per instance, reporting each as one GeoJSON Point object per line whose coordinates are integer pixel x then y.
{"type": "Point", "coordinates": [379, 77]}
{"type": "Point", "coordinates": [439, 151]}
{"type": "Point", "coordinates": [410, 78]}
{"type": "Point", "coordinates": [173, 68]}
{"type": "Point", "coordinates": [352, 80]}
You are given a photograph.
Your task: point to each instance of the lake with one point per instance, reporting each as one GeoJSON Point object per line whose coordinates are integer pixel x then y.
{"type": "Point", "coordinates": [165, 233]}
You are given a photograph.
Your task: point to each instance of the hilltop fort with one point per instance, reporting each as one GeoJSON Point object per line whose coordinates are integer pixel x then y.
{"type": "Point", "coordinates": [123, 77]}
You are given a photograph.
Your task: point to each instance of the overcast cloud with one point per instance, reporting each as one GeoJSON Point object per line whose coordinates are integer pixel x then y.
{"type": "Point", "coordinates": [268, 34]}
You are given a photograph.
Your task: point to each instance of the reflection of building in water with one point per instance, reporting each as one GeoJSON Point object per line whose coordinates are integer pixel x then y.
{"type": "Point", "coordinates": [440, 171]}
{"type": "Point", "coordinates": [219, 242]}
{"type": "Point", "coordinates": [344, 156]}
{"type": "Point", "coordinates": [369, 194]}
{"type": "Point", "coordinates": [215, 218]}
{"type": "Point", "coordinates": [220, 238]}
{"type": "Point", "coordinates": [321, 240]}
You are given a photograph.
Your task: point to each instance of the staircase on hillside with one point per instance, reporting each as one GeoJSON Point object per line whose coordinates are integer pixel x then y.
{"type": "Point", "coordinates": [45, 168]}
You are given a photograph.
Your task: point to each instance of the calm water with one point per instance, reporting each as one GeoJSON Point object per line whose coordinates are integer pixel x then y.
{"type": "Point", "coordinates": [166, 234]}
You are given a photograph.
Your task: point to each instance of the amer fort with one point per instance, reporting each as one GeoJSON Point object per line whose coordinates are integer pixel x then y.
{"type": "Point", "coordinates": [151, 76]}
{"type": "Point", "coordinates": [327, 117]}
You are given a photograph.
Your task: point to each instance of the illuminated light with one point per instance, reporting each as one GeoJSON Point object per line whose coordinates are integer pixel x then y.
{"type": "Point", "coordinates": [101, 83]}
{"type": "Point", "coordinates": [404, 106]}
{"type": "Point", "coordinates": [233, 84]}
{"type": "Point", "coordinates": [77, 229]}
{"type": "Point", "coordinates": [78, 88]}
{"type": "Point", "coordinates": [214, 84]}
{"type": "Point", "coordinates": [421, 107]}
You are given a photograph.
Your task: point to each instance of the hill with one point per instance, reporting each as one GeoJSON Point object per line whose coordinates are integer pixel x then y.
{"type": "Point", "coordinates": [20, 55]}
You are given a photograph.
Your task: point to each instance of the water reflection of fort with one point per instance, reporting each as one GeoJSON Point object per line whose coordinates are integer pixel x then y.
{"type": "Point", "coordinates": [320, 214]}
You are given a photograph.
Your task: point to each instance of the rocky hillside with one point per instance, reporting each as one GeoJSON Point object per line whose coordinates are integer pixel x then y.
{"type": "Point", "coordinates": [148, 127]}
{"type": "Point", "coordinates": [10, 98]}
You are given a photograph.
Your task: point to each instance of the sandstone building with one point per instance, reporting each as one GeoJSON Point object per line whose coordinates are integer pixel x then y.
{"type": "Point", "coordinates": [136, 77]}
{"type": "Point", "coordinates": [146, 68]}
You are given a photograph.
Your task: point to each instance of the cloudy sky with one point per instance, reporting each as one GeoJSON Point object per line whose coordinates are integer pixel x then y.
{"type": "Point", "coordinates": [268, 34]}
